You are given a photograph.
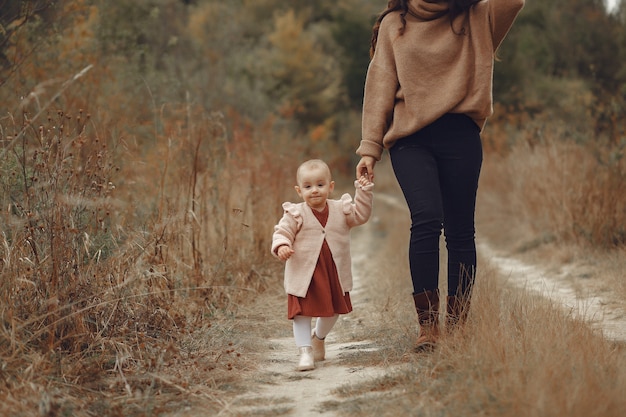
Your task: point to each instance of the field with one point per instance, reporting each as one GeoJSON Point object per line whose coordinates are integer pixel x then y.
{"type": "Point", "coordinates": [142, 168]}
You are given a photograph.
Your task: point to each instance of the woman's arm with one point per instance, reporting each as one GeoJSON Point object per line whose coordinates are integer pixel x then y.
{"type": "Point", "coordinates": [381, 84]}
{"type": "Point", "coordinates": [502, 14]}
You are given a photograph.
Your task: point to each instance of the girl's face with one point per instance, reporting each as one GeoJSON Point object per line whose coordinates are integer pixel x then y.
{"type": "Point", "coordinates": [315, 186]}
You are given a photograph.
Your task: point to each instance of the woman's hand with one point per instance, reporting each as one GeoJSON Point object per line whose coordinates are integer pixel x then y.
{"type": "Point", "coordinates": [365, 168]}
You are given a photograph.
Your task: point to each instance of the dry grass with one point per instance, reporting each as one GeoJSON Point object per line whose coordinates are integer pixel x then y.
{"type": "Point", "coordinates": [121, 272]}
{"type": "Point", "coordinates": [124, 298]}
{"type": "Point", "coordinates": [561, 191]}
{"type": "Point", "coordinates": [518, 356]}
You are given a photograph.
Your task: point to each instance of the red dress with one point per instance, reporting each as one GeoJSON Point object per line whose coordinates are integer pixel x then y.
{"type": "Point", "coordinates": [324, 297]}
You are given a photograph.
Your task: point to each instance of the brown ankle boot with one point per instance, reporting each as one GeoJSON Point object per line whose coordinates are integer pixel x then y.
{"type": "Point", "coordinates": [319, 351]}
{"type": "Point", "coordinates": [427, 307]}
{"type": "Point", "coordinates": [457, 310]}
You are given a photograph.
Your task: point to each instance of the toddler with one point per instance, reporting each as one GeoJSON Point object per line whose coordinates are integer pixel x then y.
{"type": "Point", "coordinates": [313, 237]}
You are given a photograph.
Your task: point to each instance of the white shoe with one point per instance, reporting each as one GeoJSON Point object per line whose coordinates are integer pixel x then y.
{"type": "Point", "coordinates": [306, 359]}
{"type": "Point", "coordinates": [319, 352]}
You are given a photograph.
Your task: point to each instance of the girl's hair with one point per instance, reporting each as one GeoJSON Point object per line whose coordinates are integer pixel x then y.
{"type": "Point", "coordinates": [455, 8]}
{"type": "Point", "coordinates": [312, 164]}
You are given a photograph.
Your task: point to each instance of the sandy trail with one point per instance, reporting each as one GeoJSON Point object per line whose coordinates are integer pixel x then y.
{"type": "Point", "coordinates": [300, 393]}
{"type": "Point", "coordinates": [581, 303]}
{"type": "Point", "coordinates": [288, 392]}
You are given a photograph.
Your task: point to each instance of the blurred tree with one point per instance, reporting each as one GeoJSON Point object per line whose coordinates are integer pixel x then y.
{"type": "Point", "coordinates": [352, 32]}
{"type": "Point", "coordinates": [563, 38]}
{"type": "Point", "coordinates": [553, 45]}
{"type": "Point", "coordinates": [305, 61]}
{"type": "Point", "coordinates": [149, 34]}
{"type": "Point", "coordinates": [28, 18]}
{"type": "Point", "coordinates": [298, 74]}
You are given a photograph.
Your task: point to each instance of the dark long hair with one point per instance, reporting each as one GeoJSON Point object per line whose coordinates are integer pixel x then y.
{"type": "Point", "coordinates": [455, 8]}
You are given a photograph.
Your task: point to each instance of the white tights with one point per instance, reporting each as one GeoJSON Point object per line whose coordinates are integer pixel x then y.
{"type": "Point", "coordinates": [302, 328]}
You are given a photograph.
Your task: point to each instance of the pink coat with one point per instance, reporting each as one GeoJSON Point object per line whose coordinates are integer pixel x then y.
{"type": "Point", "coordinates": [301, 231]}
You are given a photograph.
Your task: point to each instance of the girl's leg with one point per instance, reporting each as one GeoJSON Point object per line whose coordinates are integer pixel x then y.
{"type": "Point", "coordinates": [323, 326]}
{"type": "Point", "coordinates": [302, 334]}
{"type": "Point", "coordinates": [302, 330]}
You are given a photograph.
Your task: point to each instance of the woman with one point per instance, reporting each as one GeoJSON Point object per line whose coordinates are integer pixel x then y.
{"type": "Point", "coordinates": [427, 96]}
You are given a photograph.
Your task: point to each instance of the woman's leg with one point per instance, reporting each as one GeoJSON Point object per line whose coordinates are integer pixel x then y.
{"type": "Point", "coordinates": [416, 170]}
{"type": "Point", "coordinates": [459, 158]}
{"type": "Point", "coordinates": [437, 169]}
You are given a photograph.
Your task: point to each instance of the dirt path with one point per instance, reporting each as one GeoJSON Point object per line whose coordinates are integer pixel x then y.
{"type": "Point", "coordinates": [575, 296]}
{"type": "Point", "coordinates": [281, 390]}
{"type": "Point", "coordinates": [296, 393]}
{"type": "Point", "coordinates": [288, 392]}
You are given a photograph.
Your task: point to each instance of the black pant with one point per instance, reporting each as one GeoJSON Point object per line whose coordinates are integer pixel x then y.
{"type": "Point", "coordinates": [438, 169]}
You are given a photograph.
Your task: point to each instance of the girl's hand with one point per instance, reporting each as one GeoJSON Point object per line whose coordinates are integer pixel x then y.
{"type": "Point", "coordinates": [284, 252]}
{"type": "Point", "coordinates": [363, 181]}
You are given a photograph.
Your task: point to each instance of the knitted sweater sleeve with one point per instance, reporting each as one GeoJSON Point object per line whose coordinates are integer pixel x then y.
{"type": "Point", "coordinates": [381, 84]}
{"type": "Point", "coordinates": [502, 13]}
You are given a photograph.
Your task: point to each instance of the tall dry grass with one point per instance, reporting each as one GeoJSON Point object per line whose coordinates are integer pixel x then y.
{"type": "Point", "coordinates": [122, 265]}
{"type": "Point", "coordinates": [565, 191]}
{"type": "Point", "coordinates": [133, 277]}
{"type": "Point", "coordinates": [556, 179]}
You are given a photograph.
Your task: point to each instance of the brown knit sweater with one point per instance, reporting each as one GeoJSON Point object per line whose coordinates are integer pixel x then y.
{"type": "Point", "coordinates": [431, 69]}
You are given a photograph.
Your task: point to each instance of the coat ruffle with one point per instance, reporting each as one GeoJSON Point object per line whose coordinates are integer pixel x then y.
{"type": "Point", "coordinates": [294, 211]}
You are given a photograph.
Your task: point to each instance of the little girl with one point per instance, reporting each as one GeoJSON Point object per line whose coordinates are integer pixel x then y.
{"type": "Point", "coordinates": [314, 238]}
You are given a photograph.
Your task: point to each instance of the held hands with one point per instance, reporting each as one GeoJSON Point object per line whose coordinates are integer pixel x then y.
{"type": "Point", "coordinates": [365, 168]}
{"type": "Point", "coordinates": [284, 252]}
{"type": "Point", "coordinates": [364, 180]}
